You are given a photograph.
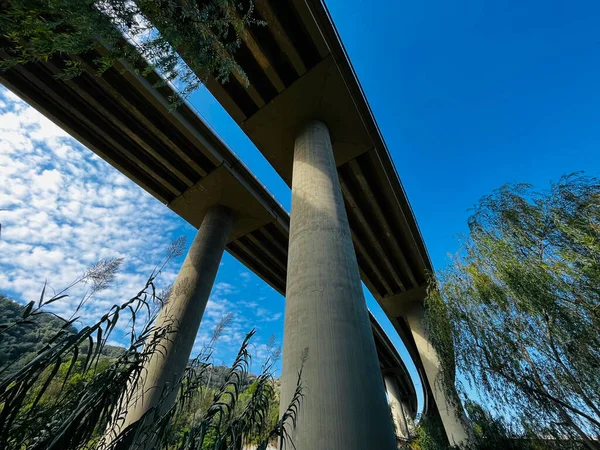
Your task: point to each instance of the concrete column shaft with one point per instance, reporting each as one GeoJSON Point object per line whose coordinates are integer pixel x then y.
{"type": "Point", "coordinates": [344, 405]}
{"type": "Point", "coordinates": [453, 417]}
{"type": "Point", "coordinates": [395, 399]}
{"type": "Point", "coordinates": [182, 314]}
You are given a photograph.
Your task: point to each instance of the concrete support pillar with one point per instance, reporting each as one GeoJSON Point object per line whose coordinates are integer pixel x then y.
{"type": "Point", "coordinates": [344, 404]}
{"type": "Point", "coordinates": [181, 316]}
{"type": "Point", "coordinates": [396, 405]}
{"type": "Point", "coordinates": [453, 417]}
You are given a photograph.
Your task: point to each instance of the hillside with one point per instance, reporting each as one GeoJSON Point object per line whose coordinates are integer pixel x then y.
{"type": "Point", "coordinates": [19, 344]}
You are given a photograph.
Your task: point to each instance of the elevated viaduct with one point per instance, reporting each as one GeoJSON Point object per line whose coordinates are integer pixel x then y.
{"type": "Point", "coordinates": [299, 73]}
{"type": "Point", "coordinates": [178, 159]}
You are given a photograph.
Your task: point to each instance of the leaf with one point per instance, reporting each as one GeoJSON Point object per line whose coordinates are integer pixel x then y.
{"type": "Point", "coordinates": [70, 322]}
{"type": "Point", "coordinates": [89, 354]}
{"type": "Point", "coordinates": [99, 345]}
{"type": "Point", "coordinates": [28, 309]}
{"type": "Point", "coordinates": [47, 383]}
{"type": "Point", "coordinates": [54, 299]}
{"type": "Point", "coordinates": [71, 365]}
{"type": "Point", "coordinates": [42, 295]}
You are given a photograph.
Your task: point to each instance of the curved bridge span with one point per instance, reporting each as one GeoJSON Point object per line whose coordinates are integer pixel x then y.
{"type": "Point", "coordinates": [298, 71]}
{"type": "Point", "coordinates": [176, 157]}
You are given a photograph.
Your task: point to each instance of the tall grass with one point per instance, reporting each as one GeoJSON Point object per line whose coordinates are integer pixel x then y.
{"type": "Point", "coordinates": [71, 397]}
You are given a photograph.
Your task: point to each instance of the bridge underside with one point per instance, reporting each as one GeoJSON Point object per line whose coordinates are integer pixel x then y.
{"type": "Point", "coordinates": [178, 159]}
{"type": "Point", "coordinates": [298, 71]}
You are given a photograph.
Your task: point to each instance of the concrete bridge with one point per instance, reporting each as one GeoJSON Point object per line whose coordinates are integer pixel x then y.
{"type": "Point", "coordinates": [299, 73]}
{"type": "Point", "coordinates": [305, 110]}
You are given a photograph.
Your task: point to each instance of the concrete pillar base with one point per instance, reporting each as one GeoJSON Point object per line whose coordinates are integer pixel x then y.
{"type": "Point", "coordinates": [453, 418]}
{"type": "Point", "coordinates": [344, 405]}
{"type": "Point", "coordinates": [396, 405]}
{"type": "Point", "coordinates": [181, 317]}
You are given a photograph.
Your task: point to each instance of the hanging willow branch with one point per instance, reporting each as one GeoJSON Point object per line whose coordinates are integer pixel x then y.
{"type": "Point", "coordinates": [518, 310]}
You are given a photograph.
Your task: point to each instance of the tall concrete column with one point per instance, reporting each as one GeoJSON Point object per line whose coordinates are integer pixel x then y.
{"type": "Point", "coordinates": [396, 406]}
{"type": "Point", "coordinates": [453, 417]}
{"type": "Point", "coordinates": [344, 404]}
{"type": "Point", "coordinates": [181, 316]}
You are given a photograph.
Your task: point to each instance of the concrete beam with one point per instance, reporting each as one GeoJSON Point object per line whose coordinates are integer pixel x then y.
{"type": "Point", "coordinates": [364, 253]}
{"type": "Point", "coordinates": [398, 305]}
{"type": "Point", "coordinates": [180, 319]}
{"type": "Point", "coordinates": [268, 267]}
{"type": "Point", "coordinates": [280, 35]}
{"type": "Point", "coordinates": [398, 410]}
{"type": "Point", "coordinates": [319, 93]}
{"type": "Point", "coordinates": [452, 415]}
{"type": "Point", "coordinates": [344, 405]}
{"type": "Point", "coordinates": [382, 220]}
{"type": "Point", "coordinates": [373, 240]}
{"type": "Point", "coordinates": [223, 187]}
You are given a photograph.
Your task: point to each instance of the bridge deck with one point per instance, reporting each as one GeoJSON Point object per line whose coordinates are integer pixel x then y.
{"type": "Point", "coordinates": [298, 70]}
{"type": "Point", "coordinates": [174, 156]}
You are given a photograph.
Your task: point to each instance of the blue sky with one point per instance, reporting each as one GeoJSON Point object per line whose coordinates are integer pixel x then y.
{"type": "Point", "coordinates": [468, 95]}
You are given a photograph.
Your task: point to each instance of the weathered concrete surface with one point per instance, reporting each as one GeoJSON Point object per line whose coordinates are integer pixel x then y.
{"type": "Point", "coordinates": [182, 315]}
{"type": "Point", "coordinates": [344, 405]}
{"type": "Point", "coordinates": [453, 419]}
{"type": "Point", "coordinates": [395, 400]}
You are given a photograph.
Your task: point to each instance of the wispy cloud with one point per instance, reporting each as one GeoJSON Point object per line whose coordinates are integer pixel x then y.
{"type": "Point", "coordinates": [267, 316]}
{"type": "Point", "coordinates": [62, 208]}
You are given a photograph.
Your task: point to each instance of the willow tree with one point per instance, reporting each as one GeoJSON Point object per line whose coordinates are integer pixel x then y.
{"type": "Point", "coordinates": [518, 310]}
{"type": "Point", "coordinates": [37, 30]}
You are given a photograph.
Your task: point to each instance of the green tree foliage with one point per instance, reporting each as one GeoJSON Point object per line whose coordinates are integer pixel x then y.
{"type": "Point", "coordinates": [258, 399]}
{"type": "Point", "coordinates": [427, 434]}
{"type": "Point", "coordinates": [495, 433]}
{"type": "Point", "coordinates": [489, 433]}
{"type": "Point", "coordinates": [518, 312]}
{"type": "Point", "coordinates": [20, 344]}
{"type": "Point", "coordinates": [37, 30]}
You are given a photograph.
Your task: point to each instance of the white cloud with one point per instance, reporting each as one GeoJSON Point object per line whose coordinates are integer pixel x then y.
{"type": "Point", "coordinates": [267, 316]}
{"type": "Point", "coordinates": [62, 208]}
{"type": "Point", "coordinates": [48, 180]}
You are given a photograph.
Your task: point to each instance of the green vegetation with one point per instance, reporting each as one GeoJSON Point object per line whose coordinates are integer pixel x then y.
{"type": "Point", "coordinates": [20, 344]}
{"type": "Point", "coordinates": [37, 30]}
{"type": "Point", "coordinates": [427, 434]}
{"type": "Point", "coordinates": [518, 312]}
{"type": "Point", "coordinates": [489, 433]}
{"type": "Point", "coordinates": [68, 391]}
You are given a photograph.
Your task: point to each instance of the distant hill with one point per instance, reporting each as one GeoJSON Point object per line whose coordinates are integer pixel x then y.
{"type": "Point", "coordinates": [24, 341]}
{"type": "Point", "coordinates": [21, 343]}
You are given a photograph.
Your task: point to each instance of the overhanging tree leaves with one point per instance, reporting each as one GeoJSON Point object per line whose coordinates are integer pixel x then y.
{"type": "Point", "coordinates": [37, 30]}
{"type": "Point", "coordinates": [518, 311]}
